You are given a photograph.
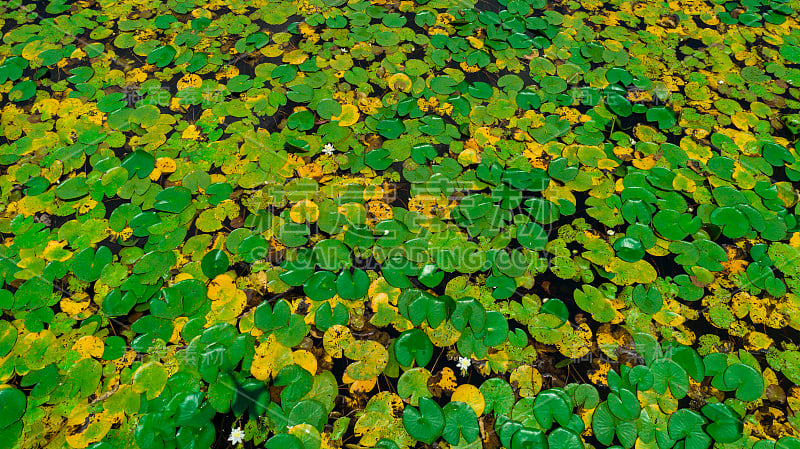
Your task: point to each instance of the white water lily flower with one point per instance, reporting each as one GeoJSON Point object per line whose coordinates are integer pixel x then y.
{"type": "Point", "coordinates": [610, 232]}
{"type": "Point", "coordinates": [328, 149]}
{"type": "Point", "coordinates": [463, 364]}
{"type": "Point", "coordinates": [237, 436]}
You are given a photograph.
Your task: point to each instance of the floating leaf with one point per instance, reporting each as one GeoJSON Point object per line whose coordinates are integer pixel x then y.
{"type": "Point", "coordinates": [425, 424]}
{"type": "Point", "coordinates": [413, 346]}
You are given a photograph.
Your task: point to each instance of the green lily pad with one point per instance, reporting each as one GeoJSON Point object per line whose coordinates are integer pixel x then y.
{"type": "Point", "coordinates": [746, 380]}
{"type": "Point", "coordinates": [321, 286]}
{"type": "Point", "coordinates": [12, 406]}
{"type": "Point", "coordinates": [629, 249]}
{"type": "Point", "coordinates": [173, 199]}
{"type": "Point", "coordinates": [554, 85]}
{"type": "Point", "coordinates": [619, 105]}
{"type": "Point", "coordinates": [22, 91]}
{"type": "Point", "coordinates": [662, 115]}
{"type": "Point", "coordinates": [425, 424]}
{"type": "Point", "coordinates": [352, 284]}
{"type": "Point", "coordinates": [161, 56]}
{"type": "Point", "coordinates": [460, 422]}
{"type": "Point", "coordinates": [139, 163]}
{"type": "Point", "coordinates": [552, 405]}
{"type": "Point", "coordinates": [325, 317]}
{"type": "Point", "coordinates": [391, 128]}
{"type": "Point", "coordinates": [413, 346]}
{"type": "Point", "coordinates": [554, 127]}
{"type": "Point", "coordinates": [88, 265]}
{"type": "Point", "coordinates": [301, 120]}
{"type": "Point", "coordinates": [726, 426]}
{"type": "Point", "coordinates": [648, 301]}
{"type": "Point", "coordinates": [72, 188]}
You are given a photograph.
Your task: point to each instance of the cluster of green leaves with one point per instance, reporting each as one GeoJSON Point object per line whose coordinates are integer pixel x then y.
{"type": "Point", "coordinates": [190, 191]}
{"type": "Point", "coordinates": [751, 14]}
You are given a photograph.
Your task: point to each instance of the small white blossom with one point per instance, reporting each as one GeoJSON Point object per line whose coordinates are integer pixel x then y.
{"type": "Point", "coordinates": [610, 232]}
{"type": "Point", "coordinates": [344, 50]}
{"type": "Point", "coordinates": [463, 364]}
{"type": "Point", "coordinates": [328, 149]}
{"type": "Point", "coordinates": [386, 232]}
{"type": "Point", "coordinates": [720, 82]}
{"type": "Point", "coordinates": [237, 436]}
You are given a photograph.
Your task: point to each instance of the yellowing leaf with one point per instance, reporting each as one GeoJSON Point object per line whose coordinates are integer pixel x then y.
{"type": "Point", "coordinates": [607, 164]}
{"type": "Point", "coordinates": [757, 341]}
{"type": "Point", "coordinates": [270, 357]}
{"type": "Point", "coordinates": [644, 163]}
{"type": "Point", "coordinates": [379, 421]}
{"type": "Point", "coordinates": [82, 435]}
{"type": "Point", "coordinates": [744, 120]}
{"type": "Point", "coordinates": [46, 106]}
{"type": "Point", "coordinates": [485, 135]}
{"type": "Point", "coordinates": [89, 346]}
{"type": "Point", "coordinates": [608, 341]}
{"type": "Point", "coordinates": [136, 75]}
{"type": "Point", "coordinates": [577, 343]}
{"type": "Point", "coordinates": [222, 288]}
{"type": "Point", "coordinates": [295, 57]}
{"type": "Point", "coordinates": [360, 386]}
{"type": "Point", "coordinates": [227, 310]}
{"type": "Point", "coordinates": [399, 81]}
{"type": "Point", "coordinates": [336, 340]}
{"type": "Point", "coordinates": [681, 182]}
{"type": "Point", "coordinates": [695, 150]}
{"type": "Point", "coordinates": [555, 193]}
{"type": "Point", "coordinates": [312, 170]}
{"type": "Point", "coordinates": [272, 51]}
{"type": "Point", "coordinates": [600, 375]}
{"type": "Point", "coordinates": [54, 251]}
{"type": "Point", "coordinates": [378, 211]}
{"type": "Point", "coordinates": [33, 48]}
{"type": "Point", "coordinates": [670, 314]}
{"type": "Point", "coordinates": [470, 395]}
{"type": "Point", "coordinates": [469, 156]}
{"type": "Point", "coordinates": [349, 115]}
{"type": "Point", "coordinates": [369, 105]}
{"type": "Point", "coordinates": [305, 359]}
{"type": "Point", "coordinates": [166, 165]}
{"type": "Point", "coordinates": [229, 72]}
{"type": "Point", "coordinates": [475, 42]}
{"type": "Point", "coordinates": [446, 380]}
{"type": "Point", "coordinates": [444, 335]}
{"type": "Point", "coordinates": [191, 133]}
{"type": "Point", "coordinates": [178, 327]}
{"type": "Point", "coordinates": [304, 211]}
{"type": "Point", "coordinates": [189, 80]}
{"type": "Point", "coordinates": [499, 361]}
{"type": "Point", "coordinates": [73, 308]}
{"type": "Point", "coordinates": [627, 273]}
{"type": "Point", "coordinates": [150, 378]}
